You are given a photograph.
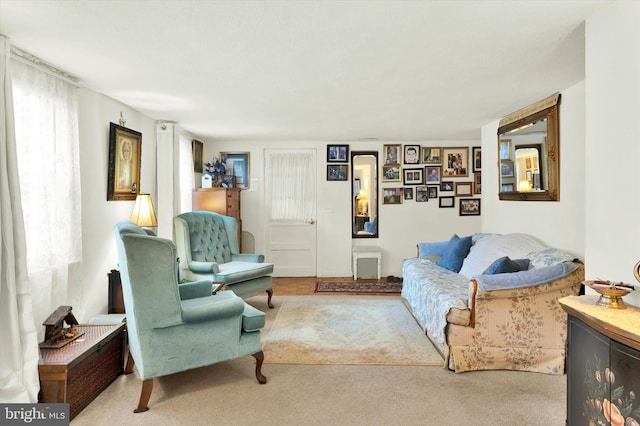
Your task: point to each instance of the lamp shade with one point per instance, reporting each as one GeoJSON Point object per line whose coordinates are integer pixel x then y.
{"type": "Point", "coordinates": [143, 213]}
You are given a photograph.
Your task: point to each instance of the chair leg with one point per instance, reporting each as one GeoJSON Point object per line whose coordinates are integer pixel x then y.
{"type": "Point", "coordinates": [128, 368]}
{"type": "Point", "coordinates": [145, 394]}
{"type": "Point", "coordinates": [269, 296]}
{"type": "Point", "coordinates": [259, 356]}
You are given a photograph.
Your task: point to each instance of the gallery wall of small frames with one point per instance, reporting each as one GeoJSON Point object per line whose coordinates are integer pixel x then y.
{"type": "Point", "coordinates": [415, 173]}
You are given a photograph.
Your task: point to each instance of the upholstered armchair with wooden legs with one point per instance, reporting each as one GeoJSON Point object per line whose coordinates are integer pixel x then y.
{"type": "Point", "coordinates": [172, 329]}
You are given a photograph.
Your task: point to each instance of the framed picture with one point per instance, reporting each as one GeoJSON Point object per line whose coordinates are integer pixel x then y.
{"type": "Point", "coordinates": [476, 155]}
{"type": "Point", "coordinates": [505, 149]}
{"type": "Point", "coordinates": [477, 183]}
{"type": "Point", "coordinates": [469, 206]}
{"type": "Point", "coordinates": [338, 172]}
{"type": "Point", "coordinates": [463, 189]}
{"type": "Point", "coordinates": [507, 187]}
{"type": "Point", "coordinates": [455, 162]}
{"type": "Point", "coordinates": [238, 164]}
{"type": "Point", "coordinates": [197, 149]}
{"type": "Point", "coordinates": [422, 194]}
{"type": "Point", "coordinates": [125, 149]}
{"type": "Point", "coordinates": [392, 195]}
{"type": "Point", "coordinates": [446, 202]}
{"type": "Point", "coordinates": [337, 153]}
{"type": "Point", "coordinates": [391, 173]}
{"type": "Point", "coordinates": [446, 185]}
{"type": "Point", "coordinates": [433, 174]}
{"type": "Point", "coordinates": [506, 168]}
{"type": "Point", "coordinates": [433, 191]}
{"type": "Point", "coordinates": [413, 176]}
{"type": "Point", "coordinates": [411, 154]}
{"type": "Point", "coordinates": [391, 154]}
{"type": "Point", "coordinates": [430, 155]}
{"type": "Point", "coordinates": [408, 193]}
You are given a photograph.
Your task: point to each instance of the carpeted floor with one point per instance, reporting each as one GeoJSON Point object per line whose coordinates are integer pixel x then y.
{"type": "Point", "coordinates": [358, 287]}
{"type": "Point", "coordinates": [347, 330]}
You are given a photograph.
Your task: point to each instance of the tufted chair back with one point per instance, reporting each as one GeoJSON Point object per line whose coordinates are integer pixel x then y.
{"type": "Point", "coordinates": [211, 237]}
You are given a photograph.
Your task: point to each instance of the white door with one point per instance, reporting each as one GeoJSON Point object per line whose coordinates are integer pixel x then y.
{"type": "Point", "coordinates": [290, 189]}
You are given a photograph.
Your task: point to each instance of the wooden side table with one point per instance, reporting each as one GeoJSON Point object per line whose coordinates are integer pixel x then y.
{"type": "Point", "coordinates": [77, 372]}
{"type": "Point", "coordinates": [366, 252]}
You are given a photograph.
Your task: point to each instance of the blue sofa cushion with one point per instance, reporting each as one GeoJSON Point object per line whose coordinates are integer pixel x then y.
{"type": "Point", "coordinates": [457, 249]}
{"type": "Point", "coordinates": [233, 272]}
{"type": "Point", "coordinates": [505, 264]}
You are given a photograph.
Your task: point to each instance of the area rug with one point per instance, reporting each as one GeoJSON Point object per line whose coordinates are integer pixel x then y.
{"type": "Point", "coordinates": [358, 287]}
{"type": "Point", "coordinates": [347, 330]}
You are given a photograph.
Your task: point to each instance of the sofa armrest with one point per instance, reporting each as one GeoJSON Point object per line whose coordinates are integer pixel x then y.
{"type": "Point", "coordinates": [565, 279]}
{"type": "Point", "coordinates": [248, 257]}
{"type": "Point", "coordinates": [191, 290]}
{"type": "Point", "coordinates": [204, 267]}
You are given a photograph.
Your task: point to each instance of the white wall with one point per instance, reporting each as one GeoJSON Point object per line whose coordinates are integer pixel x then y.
{"type": "Point", "coordinates": [558, 224]}
{"type": "Point", "coordinates": [613, 144]}
{"type": "Point", "coordinates": [401, 227]}
{"type": "Point", "coordinates": [99, 255]}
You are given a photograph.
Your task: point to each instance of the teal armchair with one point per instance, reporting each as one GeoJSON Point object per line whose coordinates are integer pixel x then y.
{"type": "Point", "coordinates": [174, 328]}
{"type": "Point", "coordinates": [208, 248]}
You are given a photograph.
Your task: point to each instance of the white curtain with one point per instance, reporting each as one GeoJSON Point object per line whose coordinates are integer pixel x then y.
{"type": "Point", "coordinates": [292, 188]}
{"type": "Point", "coordinates": [46, 117]}
{"type": "Point", "coordinates": [19, 352]}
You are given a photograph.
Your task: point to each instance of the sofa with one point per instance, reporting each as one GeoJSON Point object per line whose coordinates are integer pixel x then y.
{"type": "Point", "coordinates": [209, 249]}
{"type": "Point", "coordinates": [490, 301]}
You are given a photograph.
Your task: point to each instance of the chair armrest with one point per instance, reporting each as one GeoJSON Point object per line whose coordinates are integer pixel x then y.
{"type": "Point", "coordinates": [248, 257]}
{"type": "Point", "coordinates": [191, 290]}
{"type": "Point", "coordinates": [204, 309]}
{"type": "Point", "coordinates": [204, 267]}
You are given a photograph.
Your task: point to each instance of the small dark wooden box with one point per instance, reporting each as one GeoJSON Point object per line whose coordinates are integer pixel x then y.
{"type": "Point", "coordinates": [79, 371]}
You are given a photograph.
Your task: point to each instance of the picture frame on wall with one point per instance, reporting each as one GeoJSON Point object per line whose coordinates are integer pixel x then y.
{"type": "Point", "coordinates": [413, 176]}
{"type": "Point", "coordinates": [477, 183]}
{"type": "Point", "coordinates": [446, 202]}
{"type": "Point", "coordinates": [238, 164]}
{"type": "Point", "coordinates": [422, 194]}
{"type": "Point", "coordinates": [433, 174]}
{"type": "Point", "coordinates": [337, 153]}
{"type": "Point", "coordinates": [505, 149]}
{"type": "Point", "coordinates": [125, 152]}
{"type": "Point", "coordinates": [433, 191]}
{"type": "Point", "coordinates": [392, 195]}
{"type": "Point", "coordinates": [391, 154]}
{"type": "Point", "coordinates": [411, 154]}
{"type": "Point", "coordinates": [446, 186]}
{"type": "Point", "coordinates": [476, 157]}
{"type": "Point", "coordinates": [391, 173]}
{"type": "Point", "coordinates": [506, 168]}
{"type": "Point", "coordinates": [455, 162]}
{"type": "Point", "coordinates": [197, 152]}
{"type": "Point", "coordinates": [408, 193]}
{"type": "Point", "coordinates": [430, 155]}
{"type": "Point", "coordinates": [337, 172]}
{"type": "Point", "coordinates": [463, 189]}
{"type": "Point", "coordinates": [469, 206]}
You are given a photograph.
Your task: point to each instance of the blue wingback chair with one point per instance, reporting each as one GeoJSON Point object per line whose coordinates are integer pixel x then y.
{"type": "Point", "coordinates": [171, 327]}
{"type": "Point", "coordinates": [208, 248]}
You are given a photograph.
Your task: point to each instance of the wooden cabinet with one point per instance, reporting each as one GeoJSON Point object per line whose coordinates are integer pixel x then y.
{"type": "Point", "coordinates": [603, 363]}
{"type": "Point", "coordinates": [224, 201]}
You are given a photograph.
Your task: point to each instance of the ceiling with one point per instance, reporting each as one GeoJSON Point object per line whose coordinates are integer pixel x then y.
{"type": "Point", "coordinates": [312, 70]}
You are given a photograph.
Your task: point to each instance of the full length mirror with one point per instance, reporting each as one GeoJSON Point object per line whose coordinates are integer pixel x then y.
{"type": "Point", "coordinates": [528, 152]}
{"type": "Point", "coordinates": [364, 194]}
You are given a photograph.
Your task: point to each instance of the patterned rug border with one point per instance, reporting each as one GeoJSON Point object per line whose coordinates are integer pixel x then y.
{"type": "Point", "coordinates": [361, 287]}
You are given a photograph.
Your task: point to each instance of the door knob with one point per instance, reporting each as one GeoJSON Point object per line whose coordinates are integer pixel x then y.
{"type": "Point", "coordinates": [311, 221]}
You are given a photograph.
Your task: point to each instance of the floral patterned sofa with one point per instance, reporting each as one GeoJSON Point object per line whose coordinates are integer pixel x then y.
{"type": "Point", "coordinates": [490, 301]}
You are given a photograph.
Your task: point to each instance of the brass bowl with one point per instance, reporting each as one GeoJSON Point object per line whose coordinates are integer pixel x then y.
{"type": "Point", "coordinates": [610, 297]}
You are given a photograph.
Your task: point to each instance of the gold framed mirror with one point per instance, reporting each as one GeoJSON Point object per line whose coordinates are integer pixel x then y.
{"type": "Point", "coordinates": [529, 153]}
{"type": "Point", "coordinates": [364, 194]}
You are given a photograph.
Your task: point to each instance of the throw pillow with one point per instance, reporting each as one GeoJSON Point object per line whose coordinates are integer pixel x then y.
{"type": "Point", "coordinates": [505, 264]}
{"type": "Point", "coordinates": [456, 251]}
